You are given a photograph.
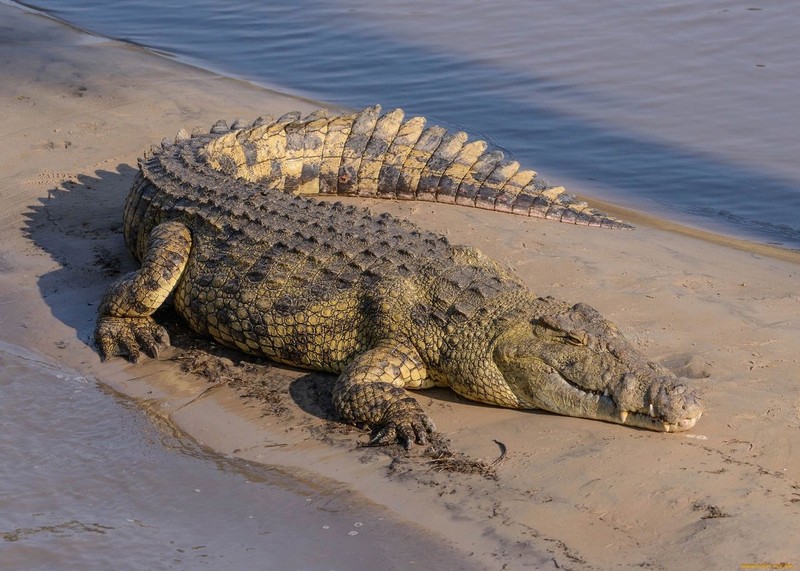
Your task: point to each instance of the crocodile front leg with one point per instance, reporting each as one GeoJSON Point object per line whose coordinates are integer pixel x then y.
{"type": "Point", "coordinates": [124, 324]}
{"type": "Point", "coordinates": [370, 391]}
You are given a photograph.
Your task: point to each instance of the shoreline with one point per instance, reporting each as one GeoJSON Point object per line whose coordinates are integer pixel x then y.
{"type": "Point", "coordinates": [571, 493]}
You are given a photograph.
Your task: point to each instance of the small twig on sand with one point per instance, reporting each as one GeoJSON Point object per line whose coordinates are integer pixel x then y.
{"type": "Point", "coordinates": [503, 452]}
{"type": "Point", "coordinates": [203, 393]}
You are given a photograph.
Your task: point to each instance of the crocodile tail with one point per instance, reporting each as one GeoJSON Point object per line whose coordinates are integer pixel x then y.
{"type": "Point", "coordinates": [384, 156]}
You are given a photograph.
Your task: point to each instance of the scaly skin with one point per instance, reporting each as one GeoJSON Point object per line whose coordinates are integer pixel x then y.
{"type": "Point", "coordinates": [384, 305]}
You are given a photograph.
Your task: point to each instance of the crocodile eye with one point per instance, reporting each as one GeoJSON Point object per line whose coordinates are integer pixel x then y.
{"type": "Point", "coordinates": [577, 339]}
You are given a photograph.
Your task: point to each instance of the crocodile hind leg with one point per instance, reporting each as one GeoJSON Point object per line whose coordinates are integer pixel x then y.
{"type": "Point", "coordinates": [124, 325]}
{"type": "Point", "coordinates": [370, 392]}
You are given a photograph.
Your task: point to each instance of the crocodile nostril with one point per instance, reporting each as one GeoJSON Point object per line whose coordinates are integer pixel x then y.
{"type": "Point", "coordinates": [629, 380]}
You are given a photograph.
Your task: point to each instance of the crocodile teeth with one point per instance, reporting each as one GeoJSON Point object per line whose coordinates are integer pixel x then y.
{"type": "Point", "coordinates": [652, 412]}
{"type": "Point", "coordinates": [605, 393]}
{"type": "Point", "coordinates": [666, 427]}
{"type": "Point", "coordinates": [623, 416]}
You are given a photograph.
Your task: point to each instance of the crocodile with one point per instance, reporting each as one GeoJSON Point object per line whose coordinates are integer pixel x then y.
{"type": "Point", "coordinates": [223, 226]}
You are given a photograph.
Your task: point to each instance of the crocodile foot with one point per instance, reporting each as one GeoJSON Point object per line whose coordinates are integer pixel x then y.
{"type": "Point", "coordinates": [404, 421]}
{"type": "Point", "coordinates": [128, 336]}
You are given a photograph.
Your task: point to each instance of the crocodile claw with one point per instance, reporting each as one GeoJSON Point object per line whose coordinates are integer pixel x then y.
{"type": "Point", "coordinates": [406, 422]}
{"type": "Point", "coordinates": [129, 336]}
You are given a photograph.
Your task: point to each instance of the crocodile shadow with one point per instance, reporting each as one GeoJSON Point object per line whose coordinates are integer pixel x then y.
{"type": "Point", "coordinates": [79, 224]}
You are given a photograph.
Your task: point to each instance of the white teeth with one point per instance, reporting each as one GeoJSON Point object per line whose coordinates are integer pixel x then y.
{"type": "Point", "coordinates": [666, 427]}
{"type": "Point", "coordinates": [605, 393]}
{"type": "Point", "coordinates": [623, 416]}
{"type": "Point", "coordinates": [652, 412]}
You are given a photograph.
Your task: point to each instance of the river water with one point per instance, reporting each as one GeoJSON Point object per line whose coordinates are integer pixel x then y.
{"type": "Point", "coordinates": [687, 110]}
{"type": "Point", "coordinates": [89, 482]}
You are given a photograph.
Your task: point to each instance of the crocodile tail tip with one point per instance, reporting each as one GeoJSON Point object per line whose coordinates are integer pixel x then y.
{"type": "Point", "coordinates": [565, 207]}
{"type": "Point", "coordinates": [580, 214]}
{"type": "Point", "coordinates": [616, 224]}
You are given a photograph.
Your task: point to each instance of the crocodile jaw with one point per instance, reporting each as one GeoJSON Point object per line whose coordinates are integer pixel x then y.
{"type": "Point", "coordinates": [607, 410]}
{"type": "Point", "coordinates": [569, 360]}
{"type": "Point", "coordinates": [672, 407]}
{"type": "Point", "coordinates": [644, 420]}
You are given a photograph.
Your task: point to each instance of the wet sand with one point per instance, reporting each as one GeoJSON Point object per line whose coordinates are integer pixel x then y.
{"type": "Point", "coordinates": [78, 111]}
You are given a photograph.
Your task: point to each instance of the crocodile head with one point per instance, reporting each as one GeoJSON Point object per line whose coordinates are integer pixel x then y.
{"type": "Point", "coordinates": [569, 360]}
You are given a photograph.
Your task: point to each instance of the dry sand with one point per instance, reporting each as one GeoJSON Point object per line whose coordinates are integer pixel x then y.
{"type": "Point", "coordinates": [77, 113]}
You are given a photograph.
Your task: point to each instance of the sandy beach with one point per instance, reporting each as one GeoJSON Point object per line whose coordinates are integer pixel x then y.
{"type": "Point", "coordinates": [569, 494]}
